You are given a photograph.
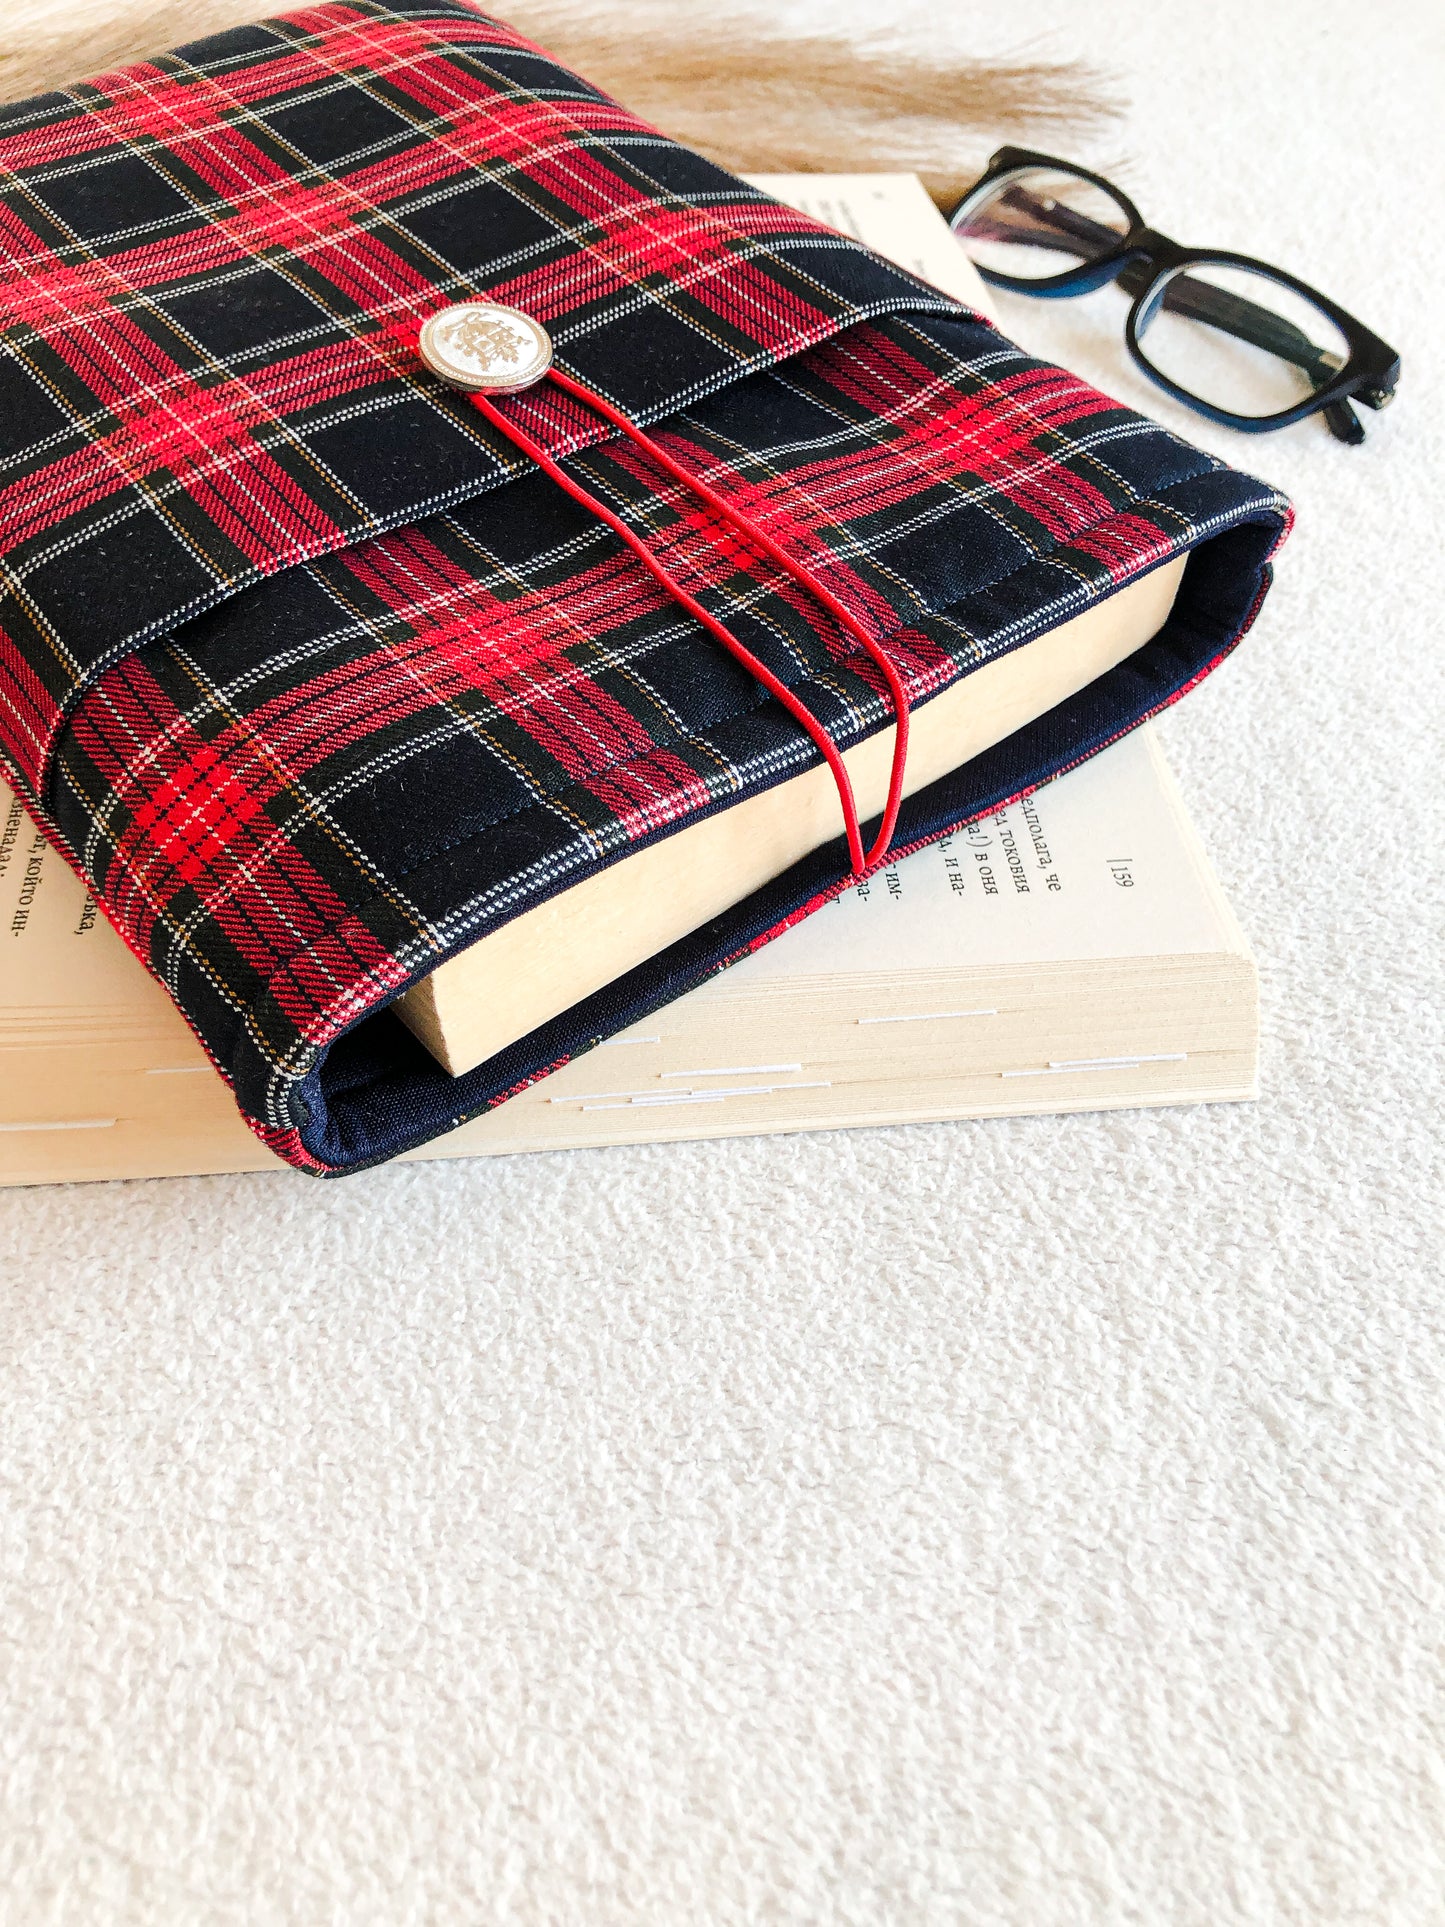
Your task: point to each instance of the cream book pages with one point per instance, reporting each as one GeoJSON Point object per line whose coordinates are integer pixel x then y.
{"type": "Point", "coordinates": [1101, 864]}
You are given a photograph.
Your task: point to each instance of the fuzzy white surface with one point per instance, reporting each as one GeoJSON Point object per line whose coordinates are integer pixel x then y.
{"type": "Point", "coordinates": [1028, 1522]}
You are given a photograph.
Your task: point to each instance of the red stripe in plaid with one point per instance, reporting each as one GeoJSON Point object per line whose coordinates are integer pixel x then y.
{"type": "Point", "coordinates": [203, 441]}
{"type": "Point", "coordinates": [288, 1144]}
{"type": "Point", "coordinates": [799, 509]}
{"type": "Point", "coordinates": [672, 253]}
{"type": "Point", "coordinates": [195, 815]}
{"type": "Point", "coordinates": [1002, 434]}
{"type": "Point", "coordinates": [513, 654]}
{"type": "Point", "coordinates": [1124, 544]}
{"type": "Point", "coordinates": [658, 789]}
{"type": "Point", "coordinates": [26, 711]}
{"type": "Point", "coordinates": [344, 973]}
{"type": "Point", "coordinates": [199, 833]}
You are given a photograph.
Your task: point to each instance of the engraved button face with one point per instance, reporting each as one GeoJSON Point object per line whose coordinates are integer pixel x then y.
{"type": "Point", "coordinates": [482, 345]}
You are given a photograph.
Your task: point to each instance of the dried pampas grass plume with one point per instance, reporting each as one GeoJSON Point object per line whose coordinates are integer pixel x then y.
{"type": "Point", "coordinates": [736, 86]}
{"type": "Point", "coordinates": [763, 101]}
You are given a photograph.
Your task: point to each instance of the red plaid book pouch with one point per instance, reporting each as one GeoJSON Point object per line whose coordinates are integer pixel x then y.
{"type": "Point", "coordinates": [318, 680]}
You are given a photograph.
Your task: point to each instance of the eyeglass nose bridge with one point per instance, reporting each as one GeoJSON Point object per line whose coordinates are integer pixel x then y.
{"type": "Point", "coordinates": [1145, 257]}
{"type": "Point", "coordinates": [1139, 260]}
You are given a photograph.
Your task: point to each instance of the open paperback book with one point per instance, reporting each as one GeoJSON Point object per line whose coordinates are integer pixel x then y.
{"type": "Point", "coordinates": [1073, 953]}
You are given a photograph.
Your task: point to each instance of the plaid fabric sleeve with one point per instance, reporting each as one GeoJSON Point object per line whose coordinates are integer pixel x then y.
{"type": "Point", "coordinates": [318, 682]}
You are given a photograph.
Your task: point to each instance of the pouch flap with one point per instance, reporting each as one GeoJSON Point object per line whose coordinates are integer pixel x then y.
{"type": "Point", "coordinates": [214, 266]}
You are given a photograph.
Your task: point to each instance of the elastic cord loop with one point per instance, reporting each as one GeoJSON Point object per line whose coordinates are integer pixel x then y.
{"type": "Point", "coordinates": [710, 622]}
{"type": "Point", "coordinates": [800, 573]}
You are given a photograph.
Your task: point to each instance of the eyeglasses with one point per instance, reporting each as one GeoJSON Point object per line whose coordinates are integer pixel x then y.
{"type": "Point", "coordinates": [1240, 341]}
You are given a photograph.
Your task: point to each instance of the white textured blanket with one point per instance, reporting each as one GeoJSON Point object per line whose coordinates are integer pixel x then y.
{"type": "Point", "coordinates": [1035, 1522]}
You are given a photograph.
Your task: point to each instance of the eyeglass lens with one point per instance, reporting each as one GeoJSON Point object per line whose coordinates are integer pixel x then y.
{"type": "Point", "coordinates": [1239, 340]}
{"type": "Point", "coordinates": [1041, 222]}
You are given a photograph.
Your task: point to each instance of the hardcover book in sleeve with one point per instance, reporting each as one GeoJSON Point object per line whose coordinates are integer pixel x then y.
{"type": "Point", "coordinates": [324, 676]}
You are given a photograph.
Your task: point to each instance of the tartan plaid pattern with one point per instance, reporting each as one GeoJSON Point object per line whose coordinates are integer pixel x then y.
{"type": "Point", "coordinates": [363, 685]}
{"type": "Point", "coordinates": [213, 269]}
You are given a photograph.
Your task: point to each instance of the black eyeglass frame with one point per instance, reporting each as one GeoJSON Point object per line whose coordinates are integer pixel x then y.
{"type": "Point", "coordinates": [1143, 262]}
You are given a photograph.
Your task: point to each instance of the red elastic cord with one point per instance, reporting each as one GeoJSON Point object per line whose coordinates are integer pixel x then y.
{"type": "Point", "coordinates": [798, 571]}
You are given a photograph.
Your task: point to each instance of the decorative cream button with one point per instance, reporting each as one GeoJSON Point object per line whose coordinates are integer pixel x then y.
{"type": "Point", "coordinates": [482, 345]}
